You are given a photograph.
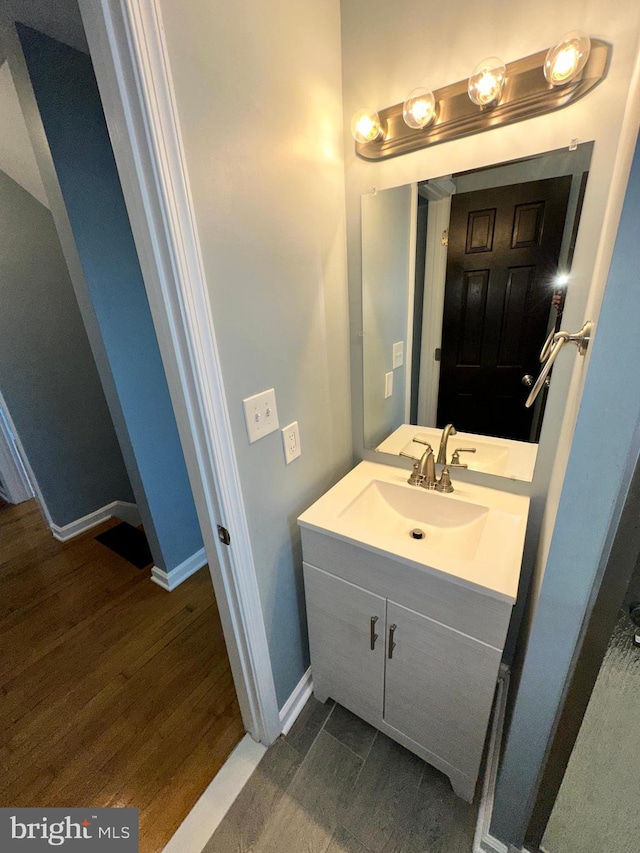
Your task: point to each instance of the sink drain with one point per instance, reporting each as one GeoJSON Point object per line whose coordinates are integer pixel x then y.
{"type": "Point", "coordinates": [416, 533]}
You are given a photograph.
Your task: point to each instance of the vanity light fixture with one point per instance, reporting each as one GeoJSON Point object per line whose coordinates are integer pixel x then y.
{"type": "Point", "coordinates": [419, 109]}
{"type": "Point", "coordinates": [366, 126]}
{"type": "Point", "coordinates": [566, 59]}
{"type": "Point", "coordinates": [487, 82]}
{"type": "Point", "coordinates": [493, 96]}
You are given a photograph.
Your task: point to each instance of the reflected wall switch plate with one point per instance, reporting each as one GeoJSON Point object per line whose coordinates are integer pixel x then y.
{"type": "Point", "coordinates": [388, 384]}
{"type": "Point", "coordinates": [261, 414]}
{"type": "Point", "coordinates": [398, 354]}
{"type": "Point", "coordinates": [291, 442]}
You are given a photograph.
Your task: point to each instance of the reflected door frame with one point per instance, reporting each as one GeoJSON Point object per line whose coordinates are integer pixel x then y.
{"type": "Point", "coordinates": [435, 275]}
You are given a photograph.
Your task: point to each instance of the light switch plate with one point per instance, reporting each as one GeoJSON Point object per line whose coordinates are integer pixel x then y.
{"type": "Point", "coordinates": [291, 442]}
{"type": "Point", "coordinates": [261, 414]}
{"type": "Point", "coordinates": [388, 384]}
{"type": "Point", "coordinates": [398, 354]}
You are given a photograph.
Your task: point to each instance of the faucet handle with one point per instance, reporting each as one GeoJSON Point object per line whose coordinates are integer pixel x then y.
{"type": "Point", "coordinates": [444, 484]}
{"type": "Point", "coordinates": [416, 477]}
{"type": "Point", "coordinates": [455, 459]}
{"type": "Point", "coordinates": [421, 441]}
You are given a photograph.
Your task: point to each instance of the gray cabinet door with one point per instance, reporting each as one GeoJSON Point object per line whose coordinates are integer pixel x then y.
{"type": "Point", "coordinates": [344, 665]}
{"type": "Point", "coordinates": [439, 687]}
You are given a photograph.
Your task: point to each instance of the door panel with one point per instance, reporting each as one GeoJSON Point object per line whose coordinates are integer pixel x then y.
{"type": "Point", "coordinates": [504, 245]}
{"type": "Point", "coordinates": [474, 300]}
{"type": "Point", "coordinates": [439, 687]}
{"type": "Point", "coordinates": [345, 667]}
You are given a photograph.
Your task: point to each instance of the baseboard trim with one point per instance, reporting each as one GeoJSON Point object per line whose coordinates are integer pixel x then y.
{"type": "Point", "coordinates": [170, 580]}
{"type": "Point", "coordinates": [489, 844]}
{"type": "Point", "coordinates": [82, 525]}
{"type": "Point", "coordinates": [296, 702]}
{"type": "Point", "coordinates": [483, 841]}
{"type": "Point", "coordinates": [204, 818]}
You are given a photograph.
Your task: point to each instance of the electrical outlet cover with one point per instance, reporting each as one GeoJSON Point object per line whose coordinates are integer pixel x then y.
{"type": "Point", "coordinates": [291, 442]}
{"type": "Point", "coordinates": [261, 414]}
{"type": "Point", "coordinates": [388, 384]}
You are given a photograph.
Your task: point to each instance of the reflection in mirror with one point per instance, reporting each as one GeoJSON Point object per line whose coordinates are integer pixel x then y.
{"type": "Point", "coordinates": [463, 277]}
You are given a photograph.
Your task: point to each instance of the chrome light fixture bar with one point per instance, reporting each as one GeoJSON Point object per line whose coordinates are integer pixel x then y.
{"type": "Point", "coordinates": [526, 93]}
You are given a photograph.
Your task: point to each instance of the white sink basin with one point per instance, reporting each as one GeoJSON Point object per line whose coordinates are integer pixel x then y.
{"type": "Point", "coordinates": [475, 535]}
{"type": "Point", "coordinates": [448, 525]}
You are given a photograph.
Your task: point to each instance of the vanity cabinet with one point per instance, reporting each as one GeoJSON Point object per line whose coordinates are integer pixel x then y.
{"type": "Point", "coordinates": [410, 652]}
{"type": "Point", "coordinates": [347, 637]}
{"type": "Point", "coordinates": [439, 687]}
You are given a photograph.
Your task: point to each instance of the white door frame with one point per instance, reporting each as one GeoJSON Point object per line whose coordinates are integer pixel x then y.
{"type": "Point", "coordinates": [435, 274]}
{"type": "Point", "coordinates": [411, 301]}
{"type": "Point", "coordinates": [129, 54]}
{"type": "Point", "coordinates": [16, 485]}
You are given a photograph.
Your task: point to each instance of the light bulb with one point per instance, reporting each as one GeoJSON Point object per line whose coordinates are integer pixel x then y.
{"type": "Point", "coordinates": [487, 81]}
{"type": "Point", "coordinates": [366, 126]}
{"type": "Point", "coordinates": [566, 59]}
{"type": "Point", "coordinates": [419, 109]}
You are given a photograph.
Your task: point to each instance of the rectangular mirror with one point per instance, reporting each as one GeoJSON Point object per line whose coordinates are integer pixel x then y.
{"type": "Point", "coordinates": [463, 278]}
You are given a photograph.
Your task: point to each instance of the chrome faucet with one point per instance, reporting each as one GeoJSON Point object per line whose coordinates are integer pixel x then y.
{"type": "Point", "coordinates": [442, 450]}
{"type": "Point", "coordinates": [427, 467]}
{"type": "Point", "coordinates": [424, 469]}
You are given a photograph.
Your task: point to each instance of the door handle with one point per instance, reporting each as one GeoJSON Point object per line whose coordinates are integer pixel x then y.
{"type": "Point", "coordinates": [527, 381]}
{"type": "Point", "coordinates": [372, 629]}
{"type": "Point", "coordinates": [392, 645]}
{"type": "Point", "coordinates": [550, 350]}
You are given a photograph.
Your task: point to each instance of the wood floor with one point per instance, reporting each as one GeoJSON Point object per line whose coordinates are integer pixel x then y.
{"type": "Point", "coordinates": [114, 692]}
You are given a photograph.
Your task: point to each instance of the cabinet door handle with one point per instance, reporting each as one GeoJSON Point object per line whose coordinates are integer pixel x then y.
{"type": "Point", "coordinates": [392, 645]}
{"type": "Point", "coordinates": [372, 629]}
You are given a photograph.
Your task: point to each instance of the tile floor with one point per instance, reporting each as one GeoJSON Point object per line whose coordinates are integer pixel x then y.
{"type": "Point", "coordinates": [336, 785]}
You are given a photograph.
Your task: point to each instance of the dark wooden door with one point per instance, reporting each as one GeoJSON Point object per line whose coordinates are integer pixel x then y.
{"type": "Point", "coordinates": [504, 245]}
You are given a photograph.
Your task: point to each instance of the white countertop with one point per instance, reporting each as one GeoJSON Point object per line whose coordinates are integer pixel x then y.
{"type": "Point", "coordinates": [475, 535]}
{"type": "Point", "coordinates": [502, 456]}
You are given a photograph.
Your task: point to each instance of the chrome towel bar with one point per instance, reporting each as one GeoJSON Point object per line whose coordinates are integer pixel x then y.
{"type": "Point", "coordinates": [550, 350]}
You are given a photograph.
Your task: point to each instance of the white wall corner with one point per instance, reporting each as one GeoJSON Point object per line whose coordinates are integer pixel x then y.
{"type": "Point", "coordinates": [128, 512]}
{"type": "Point", "coordinates": [170, 580]}
{"type": "Point", "coordinates": [19, 480]}
{"type": "Point", "coordinates": [296, 702]}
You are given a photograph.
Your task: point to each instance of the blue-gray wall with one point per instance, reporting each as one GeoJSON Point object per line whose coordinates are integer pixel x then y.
{"type": "Point", "coordinates": [48, 375]}
{"type": "Point", "coordinates": [267, 183]}
{"type": "Point", "coordinates": [386, 248]}
{"type": "Point", "coordinates": [71, 111]}
{"type": "Point", "coordinates": [604, 453]}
